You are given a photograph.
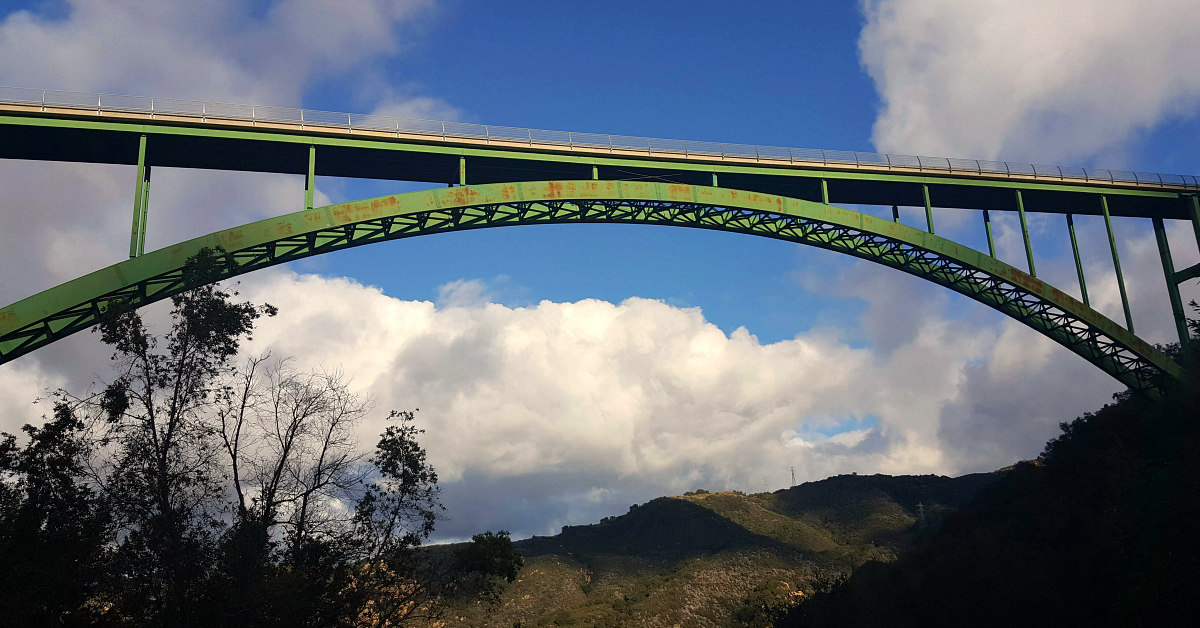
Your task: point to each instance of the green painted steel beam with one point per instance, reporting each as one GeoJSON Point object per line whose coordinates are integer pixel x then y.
{"type": "Point", "coordinates": [595, 172]}
{"type": "Point", "coordinates": [310, 178]}
{"type": "Point", "coordinates": [1112, 244]}
{"type": "Point", "coordinates": [1078, 261]}
{"type": "Point", "coordinates": [403, 144]}
{"type": "Point", "coordinates": [137, 198]}
{"type": "Point", "coordinates": [1164, 254]}
{"type": "Point", "coordinates": [987, 227]}
{"type": "Point", "coordinates": [928, 207]}
{"type": "Point", "coordinates": [1025, 234]}
{"type": "Point", "coordinates": [824, 191]}
{"type": "Point", "coordinates": [78, 304]}
{"type": "Point", "coordinates": [462, 171]}
{"type": "Point", "coordinates": [1195, 206]}
{"type": "Point", "coordinates": [715, 180]}
{"type": "Point", "coordinates": [437, 147]}
{"type": "Point", "coordinates": [141, 247]}
{"type": "Point", "coordinates": [1191, 272]}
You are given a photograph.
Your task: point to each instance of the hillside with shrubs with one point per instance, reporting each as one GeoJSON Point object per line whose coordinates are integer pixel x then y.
{"type": "Point", "coordinates": [717, 558]}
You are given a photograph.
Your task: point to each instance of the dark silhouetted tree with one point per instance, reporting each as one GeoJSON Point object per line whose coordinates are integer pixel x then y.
{"type": "Point", "coordinates": [55, 526]}
{"type": "Point", "coordinates": [191, 492]}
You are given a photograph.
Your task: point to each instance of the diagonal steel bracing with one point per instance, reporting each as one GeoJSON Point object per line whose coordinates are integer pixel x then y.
{"type": "Point", "coordinates": [71, 307]}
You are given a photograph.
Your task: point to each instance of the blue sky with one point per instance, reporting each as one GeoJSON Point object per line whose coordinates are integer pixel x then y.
{"type": "Point", "coordinates": [564, 372]}
{"type": "Point", "coordinates": [775, 73]}
{"type": "Point", "coordinates": [770, 72]}
{"type": "Point", "coordinates": [778, 73]}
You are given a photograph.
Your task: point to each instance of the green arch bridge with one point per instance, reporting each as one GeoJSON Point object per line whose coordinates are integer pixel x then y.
{"type": "Point", "coordinates": [510, 177]}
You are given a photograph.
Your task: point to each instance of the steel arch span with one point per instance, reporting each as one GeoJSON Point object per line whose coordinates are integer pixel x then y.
{"type": "Point", "coordinates": [75, 305]}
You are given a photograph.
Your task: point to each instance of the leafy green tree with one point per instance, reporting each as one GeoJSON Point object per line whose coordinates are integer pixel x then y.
{"type": "Point", "coordinates": [396, 513]}
{"type": "Point", "coordinates": [190, 491]}
{"type": "Point", "coordinates": [163, 475]}
{"type": "Point", "coordinates": [489, 560]}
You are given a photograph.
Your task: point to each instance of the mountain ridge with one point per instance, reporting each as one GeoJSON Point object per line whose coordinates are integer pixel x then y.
{"type": "Point", "coordinates": [718, 558]}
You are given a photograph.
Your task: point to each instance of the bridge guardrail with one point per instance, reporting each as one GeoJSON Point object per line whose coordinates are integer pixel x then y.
{"type": "Point", "coordinates": [651, 146]}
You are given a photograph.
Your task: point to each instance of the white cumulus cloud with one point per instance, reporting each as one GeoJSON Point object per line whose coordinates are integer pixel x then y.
{"type": "Point", "coordinates": [59, 221]}
{"type": "Point", "coordinates": [575, 410]}
{"type": "Point", "coordinates": [1057, 80]}
{"type": "Point", "coordinates": [218, 49]}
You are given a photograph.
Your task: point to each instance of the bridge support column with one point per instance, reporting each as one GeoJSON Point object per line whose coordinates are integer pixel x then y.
{"type": "Point", "coordinates": [1164, 252]}
{"type": "Point", "coordinates": [595, 173]}
{"type": "Point", "coordinates": [145, 212]}
{"type": "Point", "coordinates": [715, 180]}
{"type": "Point", "coordinates": [1078, 262]}
{"type": "Point", "coordinates": [1112, 244]}
{"type": "Point", "coordinates": [987, 227]}
{"type": "Point", "coordinates": [824, 191]}
{"type": "Point", "coordinates": [895, 213]}
{"type": "Point", "coordinates": [1196, 217]}
{"type": "Point", "coordinates": [462, 170]}
{"type": "Point", "coordinates": [1025, 234]}
{"type": "Point", "coordinates": [137, 198]}
{"type": "Point", "coordinates": [928, 207]}
{"type": "Point", "coordinates": [310, 180]}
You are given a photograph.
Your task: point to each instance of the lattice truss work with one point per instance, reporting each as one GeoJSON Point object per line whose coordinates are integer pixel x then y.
{"type": "Point", "coordinates": [1069, 330]}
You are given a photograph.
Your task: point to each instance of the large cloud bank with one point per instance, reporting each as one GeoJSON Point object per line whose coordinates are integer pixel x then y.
{"type": "Point", "coordinates": [1028, 79]}
{"type": "Point", "coordinates": [564, 412]}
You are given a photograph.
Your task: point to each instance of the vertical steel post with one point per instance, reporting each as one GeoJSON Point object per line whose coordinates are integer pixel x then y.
{"type": "Point", "coordinates": [462, 170]}
{"type": "Point", "coordinates": [595, 173]}
{"type": "Point", "coordinates": [1196, 216]}
{"type": "Point", "coordinates": [310, 181]}
{"type": "Point", "coordinates": [1112, 244]}
{"type": "Point", "coordinates": [1164, 252]}
{"type": "Point", "coordinates": [1078, 262]}
{"type": "Point", "coordinates": [824, 191]}
{"type": "Point", "coordinates": [145, 212]}
{"type": "Point", "coordinates": [928, 207]}
{"type": "Point", "coordinates": [715, 180]}
{"type": "Point", "coordinates": [137, 198]}
{"type": "Point", "coordinates": [895, 214]}
{"type": "Point", "coordinates": [1025, 234]}
{"type": "Point", "coordinates": [987, 227]}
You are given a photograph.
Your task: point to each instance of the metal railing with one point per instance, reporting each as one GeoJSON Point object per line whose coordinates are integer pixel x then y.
{"type": "Point", "coordinates": [445, 130]}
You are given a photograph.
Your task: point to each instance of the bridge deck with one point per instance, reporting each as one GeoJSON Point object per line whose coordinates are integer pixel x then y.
{"type": "Point", "coordinates": [254, 142]}
{"type": "Point", "coordinates": [93, 128]}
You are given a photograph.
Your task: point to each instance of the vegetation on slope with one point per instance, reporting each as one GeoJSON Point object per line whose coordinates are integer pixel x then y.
{"type": "Point", "coordinates": [1099, 530]}
{"type": "Point", "coordinates": [716, 559]}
